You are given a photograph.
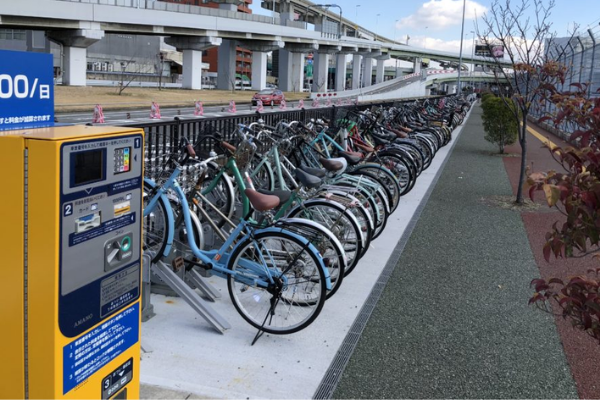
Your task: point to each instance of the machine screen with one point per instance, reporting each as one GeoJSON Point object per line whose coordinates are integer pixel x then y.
{"type": "Point", "coordinates": [88, 166]}
{"type": "Point", "coordinates": [122, 160]}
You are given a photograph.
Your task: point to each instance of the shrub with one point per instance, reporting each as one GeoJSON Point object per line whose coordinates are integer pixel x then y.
{"type": "Point", "coordinates": [499, 122]}
{"type": "Point", "coordinates": [487, 95]}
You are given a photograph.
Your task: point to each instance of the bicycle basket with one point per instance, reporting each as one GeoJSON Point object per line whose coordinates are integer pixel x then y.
{"type": "Point", "coordinates": [244, 153]}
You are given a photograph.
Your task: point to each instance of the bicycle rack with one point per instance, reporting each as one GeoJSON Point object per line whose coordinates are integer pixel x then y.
{"type": "Point", "coordinates": [190, 296]}
{"type": "Point", "coordinates": [194, 279]}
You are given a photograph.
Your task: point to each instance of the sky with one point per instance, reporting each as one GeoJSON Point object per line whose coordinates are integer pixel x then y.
{"type": "Point", "coordinates": [436, 24]}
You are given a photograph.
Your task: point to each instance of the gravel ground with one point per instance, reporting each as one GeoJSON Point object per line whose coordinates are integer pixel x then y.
{"type": "Point", "coordinates": [453, 321]}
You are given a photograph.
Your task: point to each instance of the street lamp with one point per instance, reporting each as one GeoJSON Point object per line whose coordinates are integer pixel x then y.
{"type": "Point", "coordinates": [395, 28]}
{"type": "Point", "coordinates": [376, 25]}
{"type": "Point", "coordinates": [462, 33]}
{"type": "Point", "coordinates": [473, 63]}
{"type": "Point", "coordinates": [356, 20]}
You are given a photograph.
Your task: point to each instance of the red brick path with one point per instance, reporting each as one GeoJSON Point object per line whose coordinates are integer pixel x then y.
{"type": "Point", "coordinates": [583, 354]}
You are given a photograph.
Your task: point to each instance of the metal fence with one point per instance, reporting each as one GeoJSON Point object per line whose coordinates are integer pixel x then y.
{"type": "Point", "coordinates": [163, 138]}
{"type": "Point", "coordinates": [581, 56]}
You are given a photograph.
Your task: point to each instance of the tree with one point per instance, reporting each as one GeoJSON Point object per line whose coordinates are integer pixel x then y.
{"type": "Point", "coordinates": [498, 122]}
{"type": "Point", "coordinates": [520, 29]}
{"type": "Point", "coordinates": [575, 193]}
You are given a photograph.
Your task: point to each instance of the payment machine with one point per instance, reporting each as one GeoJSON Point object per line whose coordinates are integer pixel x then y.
{"type": "Point", "coordinates": [70, 215]}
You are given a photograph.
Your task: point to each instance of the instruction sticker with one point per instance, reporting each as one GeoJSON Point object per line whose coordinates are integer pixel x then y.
{"type": "Point", "coordinates": [104, 228]}
{"type": "Point", "coordinates": [92, 351]}
{"type": "Point", "coordinates": [119, 289]}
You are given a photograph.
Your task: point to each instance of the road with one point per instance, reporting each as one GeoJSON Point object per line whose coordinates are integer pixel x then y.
{"type": "Point", "coordinates": [133, 116]}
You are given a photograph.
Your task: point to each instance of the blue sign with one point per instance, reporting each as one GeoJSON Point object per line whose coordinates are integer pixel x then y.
{"type": "Point", "coordinates": [26, 90]}
{"type": "Point", "coordinates": [93, 350]}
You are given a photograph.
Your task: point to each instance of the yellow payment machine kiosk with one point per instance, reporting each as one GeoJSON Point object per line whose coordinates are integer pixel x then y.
{"type": "Point", "coordinates": [70, 213]}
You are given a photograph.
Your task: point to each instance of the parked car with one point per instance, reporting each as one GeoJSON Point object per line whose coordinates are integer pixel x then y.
{"type": "Point", "coordinates": [268, 97]}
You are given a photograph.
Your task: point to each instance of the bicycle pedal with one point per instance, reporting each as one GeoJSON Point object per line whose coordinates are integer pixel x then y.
{"type": "Point", "coordinates": [177, 263]}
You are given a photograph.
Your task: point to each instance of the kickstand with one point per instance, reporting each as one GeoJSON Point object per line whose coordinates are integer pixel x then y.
{"type": "Point", "coordinates": [274, 302]}
{"type": "Point", "coordinates": [258, 336]}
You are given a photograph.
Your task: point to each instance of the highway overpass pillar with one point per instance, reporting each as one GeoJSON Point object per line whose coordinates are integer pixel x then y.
{"type": "Point", "coordinates": [75, 43]}
{"type": "Point", "coordinates": [320, 72]}
{"type": "Point", "coordinates": [381, 68]}
{"type": "Point", "coordinates": [192, 69]}
{"type": "Point", "coordinates": [356, 67]}
{"type": "Point", "coordinates": [259, 70]}
{"type": "Point", "coordinates": [226, 60]}
{"type": "Point", "coordinates": [367, 71]}
{"type": "Point", "coordinates": [417, 65]}
{"type": "Point", "coordinates": [259, 51]}
{"type": "Point", "coordinates": [192, 48]}
{"type": "Point", "coordinates": [340, 72]}
{"type": "Point", "coordinates": [75, 66]}
{"type": "Point", "coordinates": [291, 71]}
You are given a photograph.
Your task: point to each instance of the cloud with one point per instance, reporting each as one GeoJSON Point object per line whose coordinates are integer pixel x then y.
{"type": "Point", "coordinates": [440, 14]}
{"type": "Point", "coordinates": [450, 46]}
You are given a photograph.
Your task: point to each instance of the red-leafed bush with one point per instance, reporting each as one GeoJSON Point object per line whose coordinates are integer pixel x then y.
{"type": "Point", "coordinates": [575, 192]}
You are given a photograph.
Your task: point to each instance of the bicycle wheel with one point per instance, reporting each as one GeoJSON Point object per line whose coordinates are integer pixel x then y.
{"type": "Point", "coordinates": [156, 225]}
{"type": "Point", "coordinates": [379, 200]}
{"type": "Point", "coordinates": [330, 249]}
{"type": "Point", "coordinates": [400, 168]}
{"type": "Point", "coordinates": [221, 195]}
{"type": "Point", "coordinates": [295, 297]}
{"type": "Point", "coordinates": [340, 221]}
{"type": "Point", "coordinates": [354, 201]}
{"type": "Point", "coordinates": [385, 176]}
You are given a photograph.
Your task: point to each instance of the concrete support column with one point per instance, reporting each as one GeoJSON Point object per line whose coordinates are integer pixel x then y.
{"type": "Point", "coordinates": [75, 66]}
{"type": "Point", "coordinates": [226, 60]}
{"type": "Point", "coordinates": [192, 69]}
{"type": "Point", "coordinates": [297, 72]}
{"type": "Point", "coordinates": [380, 71]}
{"type": "Point", "coordinates": [340, 73]}
{"type": "Point", "coordinates": [367, 71]}
{"type": "Point", "coordinates": [291, 71]}
{"type": "Point", "coordinates": [286, 12]}
{"type": "Point", "coordinates": [192, 48]}
{"type": "Point", "coordinates": [417, 65]}
{"type": "Point", "coordinates": [380, 75]}
{"type": "Point", "coordinates": [75, 43]}
{"type": "Point", "coordinates": [356, 64]}
{"type": "Point", "coordinates": [259, 70]}
{"type": "Point", "coordinates": [321, 72]}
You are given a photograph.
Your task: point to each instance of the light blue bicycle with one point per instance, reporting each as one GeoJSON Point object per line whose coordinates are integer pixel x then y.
{"type": "Point", "coordinates": [276, 279]}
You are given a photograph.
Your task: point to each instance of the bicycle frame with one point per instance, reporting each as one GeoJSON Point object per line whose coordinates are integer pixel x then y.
{"type": "Point", "coordinates": [218, 259]}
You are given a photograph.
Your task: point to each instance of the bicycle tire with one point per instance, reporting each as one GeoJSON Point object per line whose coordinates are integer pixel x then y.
{"type": "Point", "coordinates": [286, 312]}
{"type": "Point", "coordinates": [341, 222]}
{"type": "Point", "coordinates": [155, 226]}
{"type": "Point", "coordinates": [330, 249]}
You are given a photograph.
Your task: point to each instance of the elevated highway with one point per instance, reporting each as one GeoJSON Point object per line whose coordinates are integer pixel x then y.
{"type": "Point", "coordinates": [76, 24]}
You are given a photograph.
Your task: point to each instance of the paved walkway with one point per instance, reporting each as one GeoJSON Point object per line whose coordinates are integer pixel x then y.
{"type": "Point", "coordinates": [453, 320]}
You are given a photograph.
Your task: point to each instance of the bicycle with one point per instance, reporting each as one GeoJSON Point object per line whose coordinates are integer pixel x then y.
{"type": "Point", "coordinates": [276, 279]}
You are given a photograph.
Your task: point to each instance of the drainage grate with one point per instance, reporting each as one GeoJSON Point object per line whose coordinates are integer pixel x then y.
{"type": "Point", "coordinates": [334, 372]}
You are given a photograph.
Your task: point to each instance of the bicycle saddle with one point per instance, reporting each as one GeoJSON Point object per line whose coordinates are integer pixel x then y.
{"type": "Point", "coordinates": [261, 202]}
{"type": "Point", "coordinates": [308, 180]}
{"type": "Point", "coordinates": [228, 146]}
{"type": "Point", "coordinates": [332, 164]}
{"type": "Point", "coordinates": [318, 172]}
{"type": "Point", "coordinates": [283, 195]}
{"type": "Point", "coordinates": [352, 158]}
